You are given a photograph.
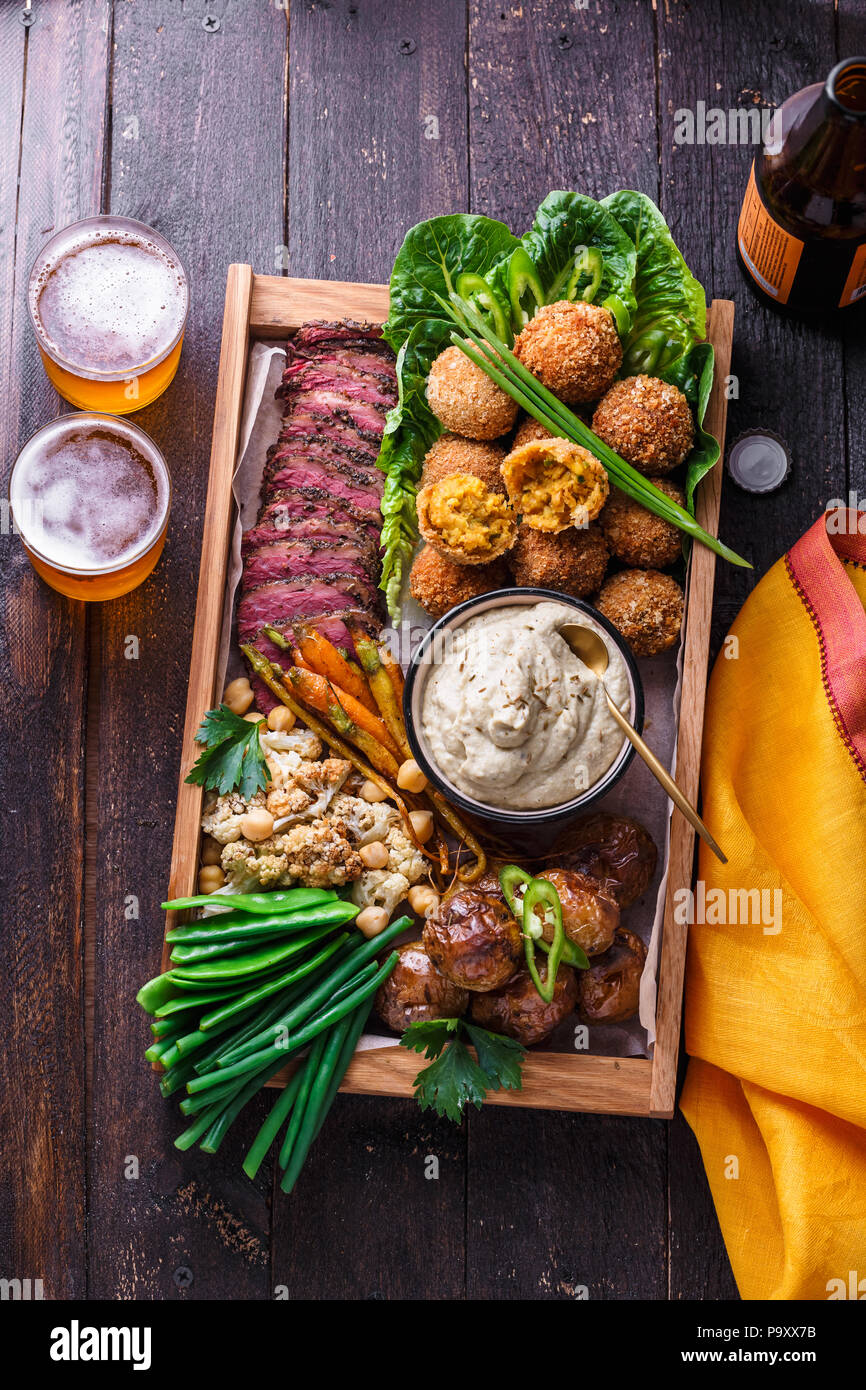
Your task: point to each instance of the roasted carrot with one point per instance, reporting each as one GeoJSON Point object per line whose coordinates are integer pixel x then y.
{"type": "Point", "coordinates": [382, 686]}
{"type": "Point", "coordinates": [272, 674]}
{"type": "Point", "coordinates": [394, 669]}
{"type": "Point", "coordinates": [319, 692]}
{"type": "Point", "coordinates": [322, 656]}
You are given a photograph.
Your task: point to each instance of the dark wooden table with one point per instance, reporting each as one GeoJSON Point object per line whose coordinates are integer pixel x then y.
{"type": "Point", "coordinates": [309, 143]}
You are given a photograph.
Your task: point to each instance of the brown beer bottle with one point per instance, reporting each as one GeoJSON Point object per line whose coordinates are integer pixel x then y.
{"type": "Point", "coordinates": [801, 239]}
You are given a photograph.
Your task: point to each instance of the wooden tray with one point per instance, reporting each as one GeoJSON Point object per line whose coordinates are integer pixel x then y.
{"type": "Point", "coordinates": [264, 306]}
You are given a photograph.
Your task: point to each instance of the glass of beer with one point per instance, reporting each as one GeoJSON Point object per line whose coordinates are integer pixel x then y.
{"type": "Point", "coordinates": [89, 496]}
{"type": "Point", "coordinates": [108, 300]}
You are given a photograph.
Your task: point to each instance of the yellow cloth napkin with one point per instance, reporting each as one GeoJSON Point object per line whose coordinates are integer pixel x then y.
{"type": "Point", "coordinates": [776, 988]}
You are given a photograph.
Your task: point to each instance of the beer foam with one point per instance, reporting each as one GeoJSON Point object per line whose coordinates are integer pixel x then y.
{"type": "Point", "coordinates": [108, 301]}
{"type": "Point", "coordinates": [87, 496]}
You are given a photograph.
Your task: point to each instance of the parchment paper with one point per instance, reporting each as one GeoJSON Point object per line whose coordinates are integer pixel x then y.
{"type": "Point", "coordinates": [638, 793]}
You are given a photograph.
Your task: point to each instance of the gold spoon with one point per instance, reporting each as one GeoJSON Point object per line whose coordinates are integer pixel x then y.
{"type": "Point", "coordinates": [592, 650]}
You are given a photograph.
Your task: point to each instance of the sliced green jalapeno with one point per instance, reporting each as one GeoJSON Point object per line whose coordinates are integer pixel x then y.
{"type": "Point", "coordinates": [542, 894]}
{"type": "Point", "coordinates": [524, 288]}
{"type": "Point", "coordinates": [510, 878]}
{"type": "Point", "coordinates": [478, 294]}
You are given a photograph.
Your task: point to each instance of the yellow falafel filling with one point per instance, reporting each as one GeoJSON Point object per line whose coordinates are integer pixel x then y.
{"type": "Point", "coordinates": [467, 515]}
{"type": "Point", "coordinates": [555, 484]}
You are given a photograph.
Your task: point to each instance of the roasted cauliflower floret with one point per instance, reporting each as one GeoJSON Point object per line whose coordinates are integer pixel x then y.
{"type": "Point", "coordinates": [286, 752]}
{"type": "Point", "coordinates": [223, 819]}
{"type": "Point", "coordinates": [387, 887]}
{"type": "Point", "coordinates": [317, 855]}
{"type": "Point", "coordinates": [367, 820]}
{"type": "Point", "coordinates": [309, 792]}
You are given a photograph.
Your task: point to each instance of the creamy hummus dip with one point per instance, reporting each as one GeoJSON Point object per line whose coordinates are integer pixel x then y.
{"type": "Point", "coordinates": [512, 717]}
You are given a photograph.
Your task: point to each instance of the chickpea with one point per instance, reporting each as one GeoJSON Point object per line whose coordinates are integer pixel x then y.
{"type": "Point", "coordinates": [210, 878]}
{"type": "Point", "coordinates": [211, 851]}
{"type": "Point", "coordinates": [410, 778]}
{"type": "Point", "coordinates": [238, 695]}
{"type": "Point", "coordinates": [280, 719]}
{"type": "Point", "coordinates": [257, 824]}
{"type": "Point", "coordinates": [371, 921]}
{"type": "Point", "coordinates": [374, 855]}
{"type": "Point", "coordinates": [370, 791]}
{"type": "Point", "coordinates": [253, 717]}
{"type": "Point", "coordinates": [422, 823]}
{"type": "Point", "coordinates": [423, 899]}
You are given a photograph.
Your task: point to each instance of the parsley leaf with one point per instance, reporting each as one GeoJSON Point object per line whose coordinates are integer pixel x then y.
{"type": "Point", "coordinates": [454, 1077]}
{"type": "Point", "coordinates": [233, 757]}
{"type": "Point", "coordinates": [449, 1082]}
{"type": "Point", "coordinates": [500, 1058]}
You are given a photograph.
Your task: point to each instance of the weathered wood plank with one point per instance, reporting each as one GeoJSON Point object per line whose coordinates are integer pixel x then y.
{"type": "Point", "coordinates": [198, 151]}
{"type": "Point", "coordinates": [550, 114]}
{"type": "Point", "coordinates": [786, 378]}
{"type": "Point", "coordinates": [42, 650]}
{"type": "Point", "coordinates": [377, 142]}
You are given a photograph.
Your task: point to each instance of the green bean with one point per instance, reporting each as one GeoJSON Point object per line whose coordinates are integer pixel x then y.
{"type": "Point", "coordinates": [289, 900]}
{"type": "Point", "coordinates": [176, 1077]}
{"type": "Point", "coordinates": [298, 972]}
{"type": "Point", "coordinates": [323, 992]}
{"type": "Point", "coordinates": [321, 1059]}
{"type": "Point", "coordinates": [217, 1133]}
{"type": "Point", "coordinates": [252, 962]}
{"type": "Point", "coordinates": [326, 1019]}
{"type": "Point", "coordinates": [209, 929]}
{"type": "Point", "coordinates": [254, 1023]}
{"type": "Point", "coordinates": [269, 1130]}
{"type": "Point", "coordinates": [340, 1051]}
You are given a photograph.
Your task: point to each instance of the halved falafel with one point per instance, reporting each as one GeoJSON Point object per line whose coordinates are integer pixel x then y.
{"type": "Point", "coordinates": [465, 521]}
{"type": "Point", "coordinates": [647, 422]}
{"type": "Point", "coordinates": [465, 399]}
{"type": "Point", "coordinates": [573, 562]}
{"type": "Point", "coordinates": [439, 584]}
{"type": "Point", "coordinates": [636, 535]}
{"type": "Point", "coordinates": [555, 484]}
{"type": "Point", "coordinates": [573, 349]}
{"type": "Point", "coordinates": [646, 607]}
{"type": "Point", "coordinates": [453, 454]}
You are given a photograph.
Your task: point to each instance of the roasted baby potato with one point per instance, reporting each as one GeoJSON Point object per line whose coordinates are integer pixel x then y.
{"type": "Point", "coordinates": [519, 1011]}
{"type": "Point", "coordinates": [474, 940]}
{"type": "Point", "coordinates": [615, 850]}
{"type": "Point", "coordinates": [415, 990]}
{"type": "Point", "coordinates": [555, 484]}
{"type": "Point", "coordinates": [465, 520]}
{"type": "Point", "coordinates": [590, 915]}
{"type": "Point", "coordinates": [610, 988]}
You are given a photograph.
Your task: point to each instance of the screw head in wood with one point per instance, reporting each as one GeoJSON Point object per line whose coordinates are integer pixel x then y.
{"type": "Point", "coordinates": [182, 1276]}
{"type": "Point", "coordinates": [27, 18]}
{"type": "Point", "coordinates": [211, 23]}
{"type": "Point", "coordinates": [565, 41]}
{"type": "Point", "coordinates": [406, 47]}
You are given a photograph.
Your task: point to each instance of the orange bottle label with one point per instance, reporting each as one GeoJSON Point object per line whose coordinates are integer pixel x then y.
{"type": "Point", "coordinates": [855, 285]}
{"type": "Point", "coordinates": [770, 254]}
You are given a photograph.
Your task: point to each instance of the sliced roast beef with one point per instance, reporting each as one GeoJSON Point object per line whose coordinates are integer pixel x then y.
{"type": "Point", "coordinates": [361, 361]}
{"type": "Point", "coordinates": [292, 559]}
{"type": "Point", "coordinates": [293, 516]}
{"type": "Point", "coordinates": [332, 453]}
{"type": "Point", "coordinates": [317, 335]}
{"type": "Point", "coordinates": [343, 382]}
{"type": "Point", "coordinates": [366, 419]}
{"type": "Point", "coordinates": [286, 600]}
{"type": "Point", "coordinates": [360, 492]}
{"type": "Point", "coordinates": [303, 426]}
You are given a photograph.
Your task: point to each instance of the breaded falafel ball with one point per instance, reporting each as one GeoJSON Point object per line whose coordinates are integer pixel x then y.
{"type": "Point", "coordinates": [636, 535]}
{"type": "Point", "coordinates": [439, 584]}
{"type": "Point", "coordinates": [464, 398]}
{"type": "Point", "coordinates": [648, 422]}
{"type": "Point", "coordinates": [555, 484]}
{"type": "Point", "coordinates": [646, 607]}
{"type": "Point", "coordinates": [574, 562]}
{"type": "Point", "coordinates": [453, 454]}
{"type": "Point", "coordinates": [528, 430]}
{"type": "Point", "coordinates": [573, 349]}
{"type": "Point", "coordinates": [465, 521]}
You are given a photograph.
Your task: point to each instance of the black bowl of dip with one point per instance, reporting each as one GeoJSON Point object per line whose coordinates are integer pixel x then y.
{"type": "Point", "coordinates": [424, 660]}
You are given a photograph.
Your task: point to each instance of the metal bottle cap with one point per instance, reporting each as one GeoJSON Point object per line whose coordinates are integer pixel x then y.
{"type": "Point", "coordinates": [759, 461]}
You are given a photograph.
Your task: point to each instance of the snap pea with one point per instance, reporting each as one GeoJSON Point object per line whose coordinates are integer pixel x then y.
{"type": "Point", "coordinates": [288, 900]}
{"type": "Point", "coordinates": [261, 992]}
{"type": "Point", "coordinates": [192, 1000]}
{"type": "Point", "coordinates": [239, 926]}
{"type": "Point", "coordinates": [323, 991]}
{"type": "Point", "coordinates": [232, 943]}
{"type": "Point", "coordinates": [155, 993]}
{"type": "Point", "coordinates": [251, 962]}
{"type": "Point", "coordinates": [326, 1019]}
